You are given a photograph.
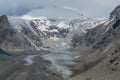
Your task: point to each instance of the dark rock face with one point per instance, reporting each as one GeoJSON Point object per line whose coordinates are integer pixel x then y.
{"type": "Point", "coordinates": [4, 28]}
{"type": "Point", "coordinates": [77, 40]}
{"type": "Point", "coordinates": [12, 40]}
{"type": "Point", "coordinates": [115, 13]}
{"type": "Point", "coordinates": [116, 24]}
{"type": "Point", "coordinates": [88, 39]}
{"type": "Point", "coordinates": [3, 52]}
{"type": "Point", "coordinates": [114, 60]}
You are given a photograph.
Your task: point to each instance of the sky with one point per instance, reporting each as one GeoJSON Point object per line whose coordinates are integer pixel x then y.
{"type": "Point", "coordinates": [88, 8]}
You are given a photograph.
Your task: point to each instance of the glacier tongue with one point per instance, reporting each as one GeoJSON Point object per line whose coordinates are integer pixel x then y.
{"type": "Point", "coordinates": [60, 58]}
{"type": "Point", "coordinates": [60, 61]}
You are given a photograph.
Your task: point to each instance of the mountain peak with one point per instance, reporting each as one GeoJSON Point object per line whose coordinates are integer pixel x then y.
{"type": "Point", "coordinates": [4, 23]}
{"type": "Point", "coordinates": [3, 18]}
{"type": "Point", "coordinates": [115, 13]}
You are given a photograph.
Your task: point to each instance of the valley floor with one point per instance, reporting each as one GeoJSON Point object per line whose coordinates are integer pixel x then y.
{"type": "Point", "coordinates": [44, 65]}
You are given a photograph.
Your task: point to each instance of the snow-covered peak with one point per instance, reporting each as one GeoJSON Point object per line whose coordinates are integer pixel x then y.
{"type": "Point", "coordinates": [27, 17]}
{"type": "Point", "coordinates": [52, 32]}
{"type": "Point", "coordinates": [43, 24]}
{"type": "Point", "coordinates": [19, 24]}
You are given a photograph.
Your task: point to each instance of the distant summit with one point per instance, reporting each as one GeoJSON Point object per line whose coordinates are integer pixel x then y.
{"type": "Point", "coordinates": [116, 13]}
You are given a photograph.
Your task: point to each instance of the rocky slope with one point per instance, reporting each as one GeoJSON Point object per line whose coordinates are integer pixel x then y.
{"type": "Point", "coordinates": [101, 60]}
{"type": "Point", "coordinates": [15, 40]}
{"type": "Point", "coordinates": [18, 69]}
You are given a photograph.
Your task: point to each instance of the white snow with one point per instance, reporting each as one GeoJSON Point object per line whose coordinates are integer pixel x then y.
{"type": "Point", "coordinates": [29, 59]}
{"type": "Point", "coordinates": [63, 25]}
{"type": "Point", "coordinates": [41, 28]}
{"type": "Point", "coordinates": [44, 48]}
{"type": "Point", "coordinates": [27, 17]}
{"type": "Point", "coordinates": [53, 30]}
{"type": "Point", "coordinates": [64, 44]}
{"type": "Point", "coordinates": [42, 24]}
{"type": "Point", "coordinates": [18, 24]}
{"type": "Point", "coordinates": [55, 38]}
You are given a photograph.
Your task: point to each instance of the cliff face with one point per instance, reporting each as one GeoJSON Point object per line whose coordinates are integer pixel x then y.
{"type": "Point", "coordinates": [102, 61]}
{"type": "Point", "coordinates": [115, 13]}
{"type": "Point", "coordinates": [102, 34]}
{"type": "Point", "coordinates": [4, 28]}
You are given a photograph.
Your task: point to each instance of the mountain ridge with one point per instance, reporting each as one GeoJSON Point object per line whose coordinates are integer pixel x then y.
{"type": "Point", "coordinates": [79, 49]}
{"type": "Point", "coordinates": [101, 60]}
{"type": "Point", "coordinates": [28, 33]}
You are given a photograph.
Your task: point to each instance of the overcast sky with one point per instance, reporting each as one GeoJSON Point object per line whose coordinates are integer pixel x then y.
{"type": "Point", "coordinates": [90, 8]}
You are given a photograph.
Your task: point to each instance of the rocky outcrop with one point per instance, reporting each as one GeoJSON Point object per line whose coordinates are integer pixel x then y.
{"type": "Point", "coordinates": [5, 30]}
{"type": "Point", "coordinates": [5, 53]}
{"type": "Point", "coordinates": [12, 40]}
{"type": "Point", "coordinates": [115, 13]}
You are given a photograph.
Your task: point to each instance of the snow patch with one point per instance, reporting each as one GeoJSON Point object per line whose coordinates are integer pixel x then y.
{"type": "Point", "coordinates": [53, 30]}
{"type": "Point", "coordinates": [19, 24]}
{"type": "Point", "coordinates": [29, 59]}
{"type": "Point", "coordinates": [63, 25]}
{"type": "Point", "coordinates": [54, 38]}
{"type": "Point", "coordinates": [27, 17]}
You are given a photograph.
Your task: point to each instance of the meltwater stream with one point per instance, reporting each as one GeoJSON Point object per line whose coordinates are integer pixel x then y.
{"type": "Point", "coordinates": [60, 58]}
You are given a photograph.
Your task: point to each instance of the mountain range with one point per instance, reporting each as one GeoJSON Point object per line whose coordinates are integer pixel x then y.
{"type": "Point", "coordinates": [44, 48]}
{"type": "Point", "coordinates": [31, 33]}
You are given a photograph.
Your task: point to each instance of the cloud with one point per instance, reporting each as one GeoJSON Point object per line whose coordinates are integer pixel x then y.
{"type": "Point", "coordinates": [90, 8]}
{"type": "Point", "coordinates": [18, 7]}
{"type": "Point", "coordinates": [101, 8]}
{"type": "Point", "coordinates": [73, 10]}
{"type": "Point", "coordinates": [106, 2]}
